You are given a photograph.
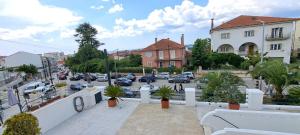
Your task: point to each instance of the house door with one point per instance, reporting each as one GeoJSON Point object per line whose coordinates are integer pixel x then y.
{"type": "Point", "coordinates": [250, 49]}
{"type": "Point", "coordinates": [160, 64]}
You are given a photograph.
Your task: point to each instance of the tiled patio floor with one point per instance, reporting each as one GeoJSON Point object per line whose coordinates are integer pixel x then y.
{"type": "Point", "coordinates": [150, 119]}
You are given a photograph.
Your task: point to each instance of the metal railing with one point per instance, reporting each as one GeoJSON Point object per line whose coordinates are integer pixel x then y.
{"type": "Point", "coordinates": [226, 121]}
{"type": "Point", "coordinates": [277, 37]}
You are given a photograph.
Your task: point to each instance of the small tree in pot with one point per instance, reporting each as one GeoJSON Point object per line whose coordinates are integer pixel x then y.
{"type": "Point", "coordinates": [165, 93]}
{"type": "Point", "coordinates": [114, 92]}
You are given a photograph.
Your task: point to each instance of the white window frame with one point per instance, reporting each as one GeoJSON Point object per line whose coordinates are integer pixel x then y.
{"type": "Point", "coordinates": [275, 46]}
{"type": "Point", "coordinates": [149, 63]}
{"type": "Point", "coordinates": [161, 55]}
{"type": "Point", "coordinates": [277, 32]}
{"type": "Point", "coordinates": [225, 35]}
{"type": "Point", "coordinates": [172, 54]}
{"type": "Point", "coordinates": [148, 54]}
{"type": "Point", "coordinates": [173, 63]}
{"type": "Point", "coordinates": [249, 33]}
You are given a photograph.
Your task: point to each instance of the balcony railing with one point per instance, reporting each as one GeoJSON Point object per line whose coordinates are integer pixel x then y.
{"type": "Point", "coordinates": [277, 37]}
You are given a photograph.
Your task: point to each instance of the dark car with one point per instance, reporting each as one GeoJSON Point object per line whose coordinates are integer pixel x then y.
{"type": "Point", "coordinates": [115, 76]}
{"type": "Point", "coordinates": [146, 78]}
{"type": "Point", "coordinates": [123, 82]}
{"type": "Point", "coordinates": [62, 77]}
{"type": "Point", "coordinates": [179, 79]}
{"type": "Point", "coordinates": [75, 78]}
{"type": "Point", "coordinates": [77, 86]}
{"type": "Point", "coordinates": [91, 77]}
{"type": "Point", "coordinates": [131, 77]}
{"type": "Point", "coordinates": [127, 92]}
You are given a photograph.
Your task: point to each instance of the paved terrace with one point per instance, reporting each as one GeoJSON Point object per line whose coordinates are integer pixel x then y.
{"type": "Point", "coordinates": [132, 118]}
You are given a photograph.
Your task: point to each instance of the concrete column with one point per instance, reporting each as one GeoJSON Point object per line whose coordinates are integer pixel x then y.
{"type": "Point", "coordinates": [190, 96]}
{"type": "Point", "coordinates": [254, 99]}
{"type": "Point", "coordinates": [145, 95]}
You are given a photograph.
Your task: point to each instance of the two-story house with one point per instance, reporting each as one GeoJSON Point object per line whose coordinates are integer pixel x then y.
{"type": "Point", "coordinates": [246, 35]}
{"type": "Point", "coordinates": [164, 53]}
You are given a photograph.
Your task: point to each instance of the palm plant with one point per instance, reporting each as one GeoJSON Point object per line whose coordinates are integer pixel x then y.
{"type": "Point", "coordinates": [274, 72]}
{"type": "Point", "coordinates": [165, 92]}
{"type": "Point", "coordinates": [113, 92]}
{"type": "Point", "coordinates": [223, 87]}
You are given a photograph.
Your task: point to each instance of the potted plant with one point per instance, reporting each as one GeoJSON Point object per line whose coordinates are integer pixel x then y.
{"type": "Point", "coordinates": [114, 92]}
{"type": "Point", "coordinates": [234, 97]}
{"type": "Point", "coordinates": [23, 123]}
{"type": "Point", "coordinates": [165, 93]}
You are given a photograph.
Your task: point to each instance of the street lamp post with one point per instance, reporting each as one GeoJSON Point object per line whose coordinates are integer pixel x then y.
{"type": "Point", "coordinates": [262, 50]}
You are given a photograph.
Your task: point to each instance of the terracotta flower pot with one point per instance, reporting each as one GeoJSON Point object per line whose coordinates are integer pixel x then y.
{"type": "Point", "coordinates": [234, 106]}
{"type": "Point", "coordinates": [165, 104]}
{"type": "Point", "coordinates": [112, 102]}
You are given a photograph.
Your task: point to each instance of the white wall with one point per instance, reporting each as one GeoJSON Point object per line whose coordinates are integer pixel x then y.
{"type": "Point", "coordinates": [237, 39]}
{"type": "Point", "coordinates": [231, 131]}
{"type": "Point", "coordinates": [21, 58]}
{"type": "Point", "coordinates": [61, 110]}
{"type": "Point", "coordinates": [256, 120]}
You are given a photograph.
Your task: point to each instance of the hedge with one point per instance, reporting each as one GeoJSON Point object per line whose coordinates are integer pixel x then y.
{"type": "Point", "coordinates": [134, 70]}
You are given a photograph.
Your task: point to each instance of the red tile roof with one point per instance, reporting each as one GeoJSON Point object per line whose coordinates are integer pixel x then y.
{"type": "Point", "coordinates": [164, 44]}
{"type": "Point", "coordinates": [243, 21]}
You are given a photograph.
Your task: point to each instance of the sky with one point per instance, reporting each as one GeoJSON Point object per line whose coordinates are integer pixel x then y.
{"type": "Point", "coordinates": [40, 26]}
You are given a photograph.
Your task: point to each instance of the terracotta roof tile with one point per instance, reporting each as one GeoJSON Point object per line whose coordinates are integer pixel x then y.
{"type": "Point", "coordinates": [243, 21]}
{"type": "Point", "coordinates": [163, 44]}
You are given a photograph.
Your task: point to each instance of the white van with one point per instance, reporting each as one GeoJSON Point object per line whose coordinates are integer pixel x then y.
{"type": "Point", "coordinates": [34, 87]}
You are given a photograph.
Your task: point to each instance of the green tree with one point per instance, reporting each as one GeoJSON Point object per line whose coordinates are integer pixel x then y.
{"type": "Point", "coordinates": [135, 60]}
{"type": "Point", "coordinates": [22, 124]}
{"type": "Point", "coordinates": [274, 72]}
{"type": "Point", "coordinates": [86, 35]}
{"type": "Point", "coordinates": [28, 69]}
{"type": "Point", "coordinates": [200, 53]}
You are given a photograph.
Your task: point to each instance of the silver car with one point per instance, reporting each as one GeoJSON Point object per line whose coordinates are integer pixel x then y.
{"type": "Point", "coordinates": [163, 75]}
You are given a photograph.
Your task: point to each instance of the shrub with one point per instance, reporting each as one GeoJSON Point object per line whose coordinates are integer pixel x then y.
{"type": "Point", "coordinates": [223, 87]}
{"type": "Point", "coordinates": [62, 84]}
{"type": "Point", "coordinates": [134, 70]}
{"type": "Point", "coordinates": [170, 70]}
{"type": "Point", "coordinates": [22, 124]}
{"type": "Point", "coordinates": [245, 65]}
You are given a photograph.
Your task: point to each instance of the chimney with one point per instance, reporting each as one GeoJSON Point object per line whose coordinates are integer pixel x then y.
{"type": "Point", "coordinates": [211, 25]}
{"type": "Point", "coordinates": [156, 40]}
{"type": "Point", "coordinates": [182, 39]}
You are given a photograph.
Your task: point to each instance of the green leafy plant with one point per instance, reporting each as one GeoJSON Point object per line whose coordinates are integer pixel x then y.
{"type": "Point", "coordinates": [59, 85]}
{"type": "Point", "coordinates": [22, 124]}
{"type": "Point", "coordinates": [113, 92]}
{"type": "Point", "coordinates": [165, 92]}
{"type": "Point", "coordinates": [274, 72]}
{"type": "Point", "coordinates": [295, 93]}
{"type": "Point", "coordinates": [223, 87]}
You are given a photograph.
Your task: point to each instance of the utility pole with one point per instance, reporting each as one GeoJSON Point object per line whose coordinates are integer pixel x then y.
{"type": "Point", "coordinates": [262, 51]}
{"type": "Point", "coordinates": [107, 67]}
{"type": "Point", "coordinates": [50, 73]}
{"type": "Point", "coordinates": [18, 96]}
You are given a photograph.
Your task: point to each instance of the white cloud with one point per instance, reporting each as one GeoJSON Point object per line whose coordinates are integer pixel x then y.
{"type": "Point", "coordinates": [97, 7]}
{"type": "Point", "coordinates": [39, 18]}
{"type": "Point", "coordinates": [116, 8]}
{"type": "Point", "coordinates": [105, 0]}
{"type": "Point", "coordinates": [189, 15]}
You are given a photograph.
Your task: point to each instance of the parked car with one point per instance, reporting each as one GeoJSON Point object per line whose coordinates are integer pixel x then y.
{"type": "Point", "coordinates": [131, 77]}
{"type": "Point", "coordinates": [189, 75]}
{"type": "Point", "coordinates": [102, 77]}
{"type": "Point", "coordinates": [77, 86]}
{"type": "Point", "coordinates": [163, 75]}
{"type": "Point", "coordinates": [127, 92]}
{"type": "Point", "coordinates": [151, 78]}
{"type": "Point", "coordinates": [151, 87]}
{"type": "Point", "coordinates": [179, 79]}
{"type": "Point", "coordinates": [123, 81]}
{"type": "Point", "coordinates": [115, 76]}
{"type": "Point", "coordinates": [33, 87]}
{"type": "Point", "coordinates": [62, 77]}
{"type": "Point", "coordinates": [75, 78]}
{"type": "Point", "coordinates": [92, 77]}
